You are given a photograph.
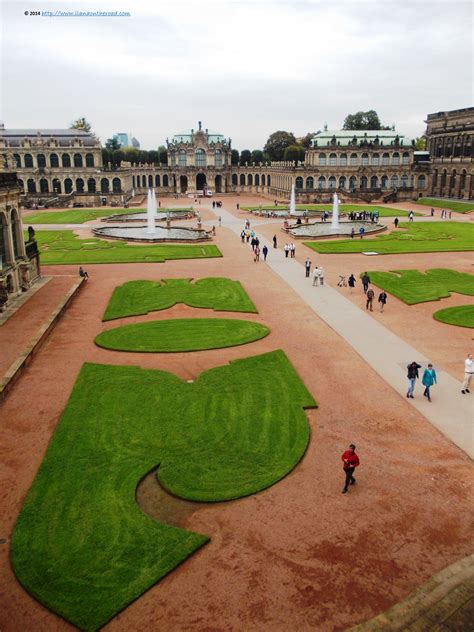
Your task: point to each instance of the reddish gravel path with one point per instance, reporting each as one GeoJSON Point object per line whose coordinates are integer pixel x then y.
{"type": "Point", "coordinates": [300, 555]}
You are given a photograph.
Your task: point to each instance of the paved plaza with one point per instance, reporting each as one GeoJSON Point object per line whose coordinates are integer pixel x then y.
{"type": "Point", "coordinates": [300, 555]}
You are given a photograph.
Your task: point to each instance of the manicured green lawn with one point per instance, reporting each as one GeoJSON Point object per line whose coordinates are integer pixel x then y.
{"type": "Point", "coordinates": [141, 297]}
{"type": "Point", "coordinates": [413, 287]}
{"type": "Point", "coordinates": [459, 207]}
{"type": "Point", "coordinates": [462, 316]}
{"type": "Point", "coordinates": [344, 208]}
{"type": "Point", "coordinates": [410, 237]}
{"type": "Point", "coordinates": [79, 216]}
{"type": "Point", "coordinates": [81, 545]}
{"type": "Point", "coordinates": [181, 334]}
{"type": "Point", "coordinates": [60, 247]}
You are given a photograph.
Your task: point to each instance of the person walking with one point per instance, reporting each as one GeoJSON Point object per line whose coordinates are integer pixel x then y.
{"type": "Point", "coordinates": [256, 253]}
{"type": "Point", "coordinates": [365, 282]}
{"type": "Point", "coordinates": [395, 221]}
{"type": "Point", "coordinates": [220, 220]}
{"type": "Point", "coordinates": [307, 267]}
{"type": "Point", "coordinates": [361, 232]}
{"type": "Point", "coordinates": [321, 275]}
{"type": "Point", "coordinates": [265, 253]}
{"type": "Point", "coordinates": [432, 211]}
{"type": "Point", "coordinates": [352, 232]}
{"type": "Point", "coordinates": [315, 275]}
{"type": "Point", "coordinates": [350, 461]}
{"type": "Point", "coordinates": [382, 300]}
{"type": "Point", "coordinates": [287, 250]}
{"type": "Point", "coordinates": [428, 379]}
{"type": "Point", "coordinates": [274, 241]}
{"type": "Point", "coordinates": [410, 216]}
{"type": "Point", "coordinates": [351, 281]}
{"type": "Point", "coordinates": [412, 375]}
{"type": "Point", "coordinates": [292, 250]}
{"type": "Point", "coordinates": [370, 299]}
{"type": "Point", "coordinates": [468, 373]}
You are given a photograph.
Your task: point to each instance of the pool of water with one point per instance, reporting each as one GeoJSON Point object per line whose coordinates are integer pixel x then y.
{"type": "Point", "coordinates": [140, 233]}
{"type": "Point", "coordinates": [142, 217]}
{"type": "Point", "coordinates": [323, 229]}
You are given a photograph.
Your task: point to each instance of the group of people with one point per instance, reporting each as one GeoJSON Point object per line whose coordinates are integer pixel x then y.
{"type": "Point", "coordinates": [364, 215]}
{"type": "Point", "coordinates": [216, 204]}
{"type": "Point", "coordinates": [290, 249]}
{"type": "Point", "coordinates": [444, 214]}
{"type": "Point", "coordinates": [369, 292]}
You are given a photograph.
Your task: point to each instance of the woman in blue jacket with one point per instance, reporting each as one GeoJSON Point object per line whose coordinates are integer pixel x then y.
{"type": "Point", "coordinates": [429, 378]}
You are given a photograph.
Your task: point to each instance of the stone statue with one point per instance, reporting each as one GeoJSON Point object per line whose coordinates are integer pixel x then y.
{"type": "Point", "coordinates": [31, 233]}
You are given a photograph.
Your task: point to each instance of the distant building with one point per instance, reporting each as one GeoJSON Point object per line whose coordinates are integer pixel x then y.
{"type": "Point", "coordinates": [126, 140]}
{"type": "Point", "coordinates": [450, 141]}
{"type": "Point", "coordinates": [135, 143]}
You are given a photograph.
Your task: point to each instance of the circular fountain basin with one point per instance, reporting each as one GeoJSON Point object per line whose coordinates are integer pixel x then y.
{"type": "Point", "coordinates": [161, 234]}
{"type": "Point", "coordinates": [142, 217]}
{"type": "Point", "coordinates": [321, 230]}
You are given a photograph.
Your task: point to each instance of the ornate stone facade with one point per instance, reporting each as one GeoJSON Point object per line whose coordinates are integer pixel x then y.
{"type": "Point", "coordinates": [450, 141]}
{"type": "Point", "coordinates": [19, 261]}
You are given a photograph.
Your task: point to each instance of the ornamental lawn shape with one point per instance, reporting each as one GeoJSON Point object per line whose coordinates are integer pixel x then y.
{"type": "Point", "coordinates": [81, 545]}
{"type": "Point", "coordinates": [181, 334]}
{"type": "Point", "coordinates": [62, 247]}
{"type": "Point", "coordinates": [409, 237]}
{"type": "Point", "coordinates": [136, 298]}
{"type": "Point", "coordinates": [413, 287]}
{"type": "Point", "coordinates": [462, 316]}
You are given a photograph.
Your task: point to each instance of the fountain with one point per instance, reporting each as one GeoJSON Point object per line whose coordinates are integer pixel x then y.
{"type": "Point", "coordinates": [335, 213]}
{"type": "Point", "coordinates": [150, 212]}
{"type": "Point", "coordinates": [293, 212]}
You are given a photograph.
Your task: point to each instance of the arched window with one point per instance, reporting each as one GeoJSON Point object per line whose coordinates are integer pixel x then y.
{"type": "Point", "coordinates": [332, 182]}
{"type": "Point", "coordinates": [166, 180]}
{"type": "Point", "coordinates": [17, 159]}
{"type": "Point", "coordinates": [78, 160]}
{"type": "Point", "coordinates": [116, 185]}
{"type": "Point", "coordinates": [31, 185]}
{"type": "Point", "coordinates": [182, 158]}
{"type": "Point", "coordinates": [157, 181]}
{"type": "Point", "coordinates": [263, 180]}
{"type": "Point", "coordinates": [353, 160]}
{"type": "Point", "coordinates": [4, 238]}
{"type": "Point", "coordinates": [133, 182]}
{"type": "Point", "coordinates": [394, 182]}
{"type": "Point", "coordinates": [448, 148]}
{"type": "Point", "coordinates": [91, 185]}
{"type": "Point", "coordinates": [41, 161]}
{"type": "Point", "coordinates": [172, 159]}
{"type": "Point", "coordinates": [365, 159]}
{"type": "Point", "coordinates": [374, 182]}
{"type": "Point", "coordinates": [235, 179]}
{"type": "Point", "coordinates": [249, 179]}
{"type": "Point", "coordinates": [405, 158]}
{"type": "Point", "coordinates": [242, 179]}
{"type": "Point", "coordinates": [57, 188]}
{"type": "Point", "coordinates": [342, 182]}
{"type": "Point", "coordinates": [343, 160]}
{"type": "Point", "coordinates": [299, 182]}
{"type": "Point", "coordinates": [352, 183]}
{"type": "Point", "coordinates": [79, 185]}
{"type": "Point", "coordinates": [310, 182]}
{"type": "Point", "coordinates": [404, 181]}
{"type": "Point", "coordinates": [363, 182]}
{"type": "Point", "coordinates": [321, 182]}
{"type": "Point", "coordinates": [54, 161]}
{"type": "Point", "coordinates": [462, 180]}
{"type": "Point", "coordinates": [257, 180]}
{"type": "Point", "coordinates": [28, 161]}
{"type": "Point", "coordinates": [443, 179]}
{"type": "Point", "coordinates": [150, 181]}
{"type": "Point", "coordinates": [269, 180]}
{"type": "Point", "coordinates": [384, 182]}
{"type": "Point", "coordinates": [332, 160]}
{"type": "Point", "coordinates": [66, 160]}
{"type": "Point", "coordinates": [44, 186]}
{"type": "Point", "coordinates": [375, 159]}
{"type": "Point", "coordinates": [200, 158]}
{"type": "Point", "coordinates": [322, 160]}
{"type": "Point", "coordinates": [385, 159]}
{"type": "Point", "coordinates": [90, 160]}
{"type": "Point", "coordinates": [421, 182]}
{"type": "Point", "coordinates": [68, 185]}
{"type": "Point", "coordinates": [16, 234]}
{"type": "Point", "coordinates": [104, 185]}
{"type": "Point", "coordinates": [21, 184]}
{"type": "Point", "coordinates": [143, 181]}
{"type": "Point", "coordinates": [218, 159]}
{"type": "Point", "coordinates": [395, 158]}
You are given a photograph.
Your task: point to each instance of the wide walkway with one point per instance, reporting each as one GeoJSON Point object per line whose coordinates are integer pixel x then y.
{"type": "Point", "coordinates": [450, 412]}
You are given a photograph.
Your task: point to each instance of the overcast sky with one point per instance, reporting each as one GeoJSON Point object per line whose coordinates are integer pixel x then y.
{"type": "Point", "coordinates": [245, 68]}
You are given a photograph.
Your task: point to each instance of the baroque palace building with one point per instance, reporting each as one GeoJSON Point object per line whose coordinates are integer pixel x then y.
{"type": "Point", "coordinates": [60, 167]}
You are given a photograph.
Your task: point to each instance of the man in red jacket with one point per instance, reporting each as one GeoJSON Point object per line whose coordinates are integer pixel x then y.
{"type": "Point", "coordinates": [350, 461]}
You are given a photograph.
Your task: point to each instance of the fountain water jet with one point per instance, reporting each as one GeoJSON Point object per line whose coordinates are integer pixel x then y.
{"type": "Point", "coordinates": [335, 213]}
{"type": "Point", "coordinates": [151, 212]}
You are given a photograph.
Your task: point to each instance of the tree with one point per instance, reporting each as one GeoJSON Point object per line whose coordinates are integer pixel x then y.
{"type": "Point", "coordinates": [257, 156]}
{"type": "Point", "coordinates": [420, 143]}
{"type": "Point", "coordinates": [363, 120]}
{"type": "Point", "coordinates": [305, 141]}
{"type": "Point", "coordinates": [154, 156]}
{"type": "Point", "coordinates": [163, 153]}
{"type": "Point", "coordinates": [294, 152]}
{"type": "Point", "coordinates": [234, 157]}
{"type": "Point", "coordinates": [277, 143]}
{"type": "Point", "coordinates": [81, 123]}
{"type": "Point", "coordinates": [112, 144]}
{"type": "Point", "coordinates": [245, 156]}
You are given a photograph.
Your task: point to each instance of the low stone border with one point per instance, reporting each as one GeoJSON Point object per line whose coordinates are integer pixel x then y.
{"type": "Point", "coordinates": [23, 298]}
{"type": "Point", "coordinates": [22, 361]}
{"type": "Point", "coordinates": [444, 602]}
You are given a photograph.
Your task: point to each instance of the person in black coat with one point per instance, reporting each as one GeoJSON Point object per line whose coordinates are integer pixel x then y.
{"type": "Point", "coordinates": [412, 375]}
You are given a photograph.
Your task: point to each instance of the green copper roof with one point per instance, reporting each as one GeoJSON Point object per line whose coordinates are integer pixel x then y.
{"type": "Point", "coordinates": [386, 137]}
{"type": "Point", "coordinates": [186, 136]}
